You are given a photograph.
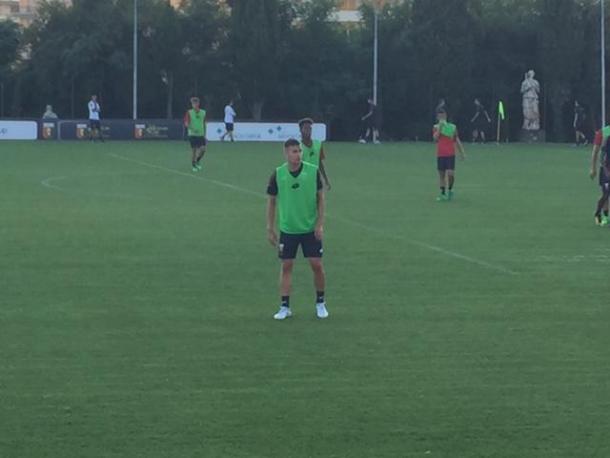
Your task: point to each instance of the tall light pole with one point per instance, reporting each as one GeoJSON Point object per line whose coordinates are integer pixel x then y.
{"type": "Point", "coordinates": [135, 59]}
{"type": "Point", "coordinates": [375, 53]}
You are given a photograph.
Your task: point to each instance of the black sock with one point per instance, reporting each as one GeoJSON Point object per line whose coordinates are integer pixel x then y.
{"type": "Point", "coordinates": [285, 301]}
{"type": "Point", "coordinates": [606, 213]}
{"type": "Point", "coordinates": [319, 297]}
{"type": "Point", "coordinates": [194, 163]}
{"type": "Point", "coordinates": [442, 190]}
{"type": "Point", "coordinates": [601, 203]}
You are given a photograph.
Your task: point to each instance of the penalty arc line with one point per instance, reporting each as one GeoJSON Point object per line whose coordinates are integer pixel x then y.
{"type": "Point", "coordinates": [413, 242]}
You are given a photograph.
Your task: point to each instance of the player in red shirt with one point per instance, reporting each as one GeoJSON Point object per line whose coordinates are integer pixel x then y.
{"type": "Point", "coordinates": [601, 143]}
{"type": "Point", "coordinates": [446, 136]}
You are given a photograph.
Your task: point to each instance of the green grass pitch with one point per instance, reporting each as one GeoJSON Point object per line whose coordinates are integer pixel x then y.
{"type": "Point", "coordinates": [137, 301]}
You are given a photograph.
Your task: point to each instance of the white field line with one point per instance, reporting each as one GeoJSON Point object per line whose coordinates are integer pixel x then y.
{"type": "Point", "coordinates": [373, 230]}
{"type": "Point", "coordinates": [47, 183]}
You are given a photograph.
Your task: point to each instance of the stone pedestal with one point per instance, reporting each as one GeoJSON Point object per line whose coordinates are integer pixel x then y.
{"type": "Point", "coordinates": [532, 136]}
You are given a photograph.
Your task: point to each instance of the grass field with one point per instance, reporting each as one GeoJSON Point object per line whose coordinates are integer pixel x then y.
{"type": "Point", "coordinates": [136, 305]}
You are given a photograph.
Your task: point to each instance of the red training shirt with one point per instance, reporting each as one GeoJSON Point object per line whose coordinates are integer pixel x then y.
{"type": "Point", "coordinates": [445, 147]}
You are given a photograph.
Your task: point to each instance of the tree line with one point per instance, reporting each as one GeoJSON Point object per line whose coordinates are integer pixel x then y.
{"type": "Point", "coordinates": [284, 59]}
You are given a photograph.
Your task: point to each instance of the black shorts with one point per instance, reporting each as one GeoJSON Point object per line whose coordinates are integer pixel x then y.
{"type": "Point", "coordinates": [604, 179]}
{"type": "Point", "coordinates": [289, 245]}
{"type": "Point", "coordinates": [445, 163]}
{"type": "Point", "coordinates": [479, 125]}
{"type": "Point", "coordinates": [229, 126]}
{"type": "Point", "coordinates": [95, 124]}
{"type": "Point", "coordinates": [197, 142]}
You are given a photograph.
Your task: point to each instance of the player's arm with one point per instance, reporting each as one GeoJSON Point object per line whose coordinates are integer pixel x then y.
{"type": "Point", "coordinates": [323, 169]}
{"type": "Point", "coordinates": [272, 192]}
{"type": "Point", "coordinates": [320, 221]}
{"type": "Point", "coordinates": [187, 119]}
{"type": "Point", "coordinates": [487, 116]}
{"type": "Point", "coordinates": [271, 233]}
{"type": "Point", "coordinates": [368, 115]}
{"type": "Point", "coordinates": [436, 132]}
{"type": "Point", "coordinates": [460, 146]}
{"type": "Point", "coordinates": [474, 118]}
{"type": "Point", "coordinates": [594, 156]}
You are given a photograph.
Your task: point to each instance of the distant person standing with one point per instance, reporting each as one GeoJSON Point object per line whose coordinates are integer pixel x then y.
{"type": "Point", "coordinates": [579, 124]}
{"type": "Point", "coordinates": [601, 144]}
{"type": "Point", "coordinates": [95, 127]}
{"type": "Point", "coordinates": [370, 124]}
{"type": "Point", "coordinates": [479, 121]}
{"type": "Point", "coordinates": [229, 122]}
{"type": "Point", "coordinates": [196, 124]}
{"type": "Point", "coordinates": [312, 150]}
{"type": "Point", "coordinates": [446, 136]}
{"type": "Point", "coordinates": [49, 113]}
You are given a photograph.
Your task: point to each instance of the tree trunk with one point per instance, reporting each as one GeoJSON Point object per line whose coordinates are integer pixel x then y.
{"type": "Point", "coordinates": [257, 110]}
{"type": "Point", "coordinates": [72, 99]}
{"type": "Point", "coordinates": [170, 95]}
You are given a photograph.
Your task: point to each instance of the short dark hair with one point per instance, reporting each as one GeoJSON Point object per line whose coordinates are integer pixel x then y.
{"type": "Point", "coordinates": [305, 121]}
{"type": "Point", "coordinates": [291, 142]}
{"type": "Point", "coordinates": [441, 111]}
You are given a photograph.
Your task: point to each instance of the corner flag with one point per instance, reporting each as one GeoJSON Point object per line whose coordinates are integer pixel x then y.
{"type": "Point", "coordinates": [501, 110]}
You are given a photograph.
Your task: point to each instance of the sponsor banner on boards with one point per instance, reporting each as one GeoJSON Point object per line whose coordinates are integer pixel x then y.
{"type": "Point", "coordinates": [18, 130]}
{"type": "Point", "coordinates": [263, 131]}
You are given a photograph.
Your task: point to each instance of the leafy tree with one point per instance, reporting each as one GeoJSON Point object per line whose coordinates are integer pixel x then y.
{"type": "Point", "coordinates": [258, 32]}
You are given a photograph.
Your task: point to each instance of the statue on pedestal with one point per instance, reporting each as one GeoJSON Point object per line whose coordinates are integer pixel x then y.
{"type": "Point", "coordinates": [530, 88]}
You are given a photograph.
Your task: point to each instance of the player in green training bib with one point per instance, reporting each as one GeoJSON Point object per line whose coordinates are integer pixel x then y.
{"type": "Point", "coordinates": [296, 190]}
{"type": "Point", "coordinates": [313, 151]}
{"type": "Point", "coordinates": [196, 124]}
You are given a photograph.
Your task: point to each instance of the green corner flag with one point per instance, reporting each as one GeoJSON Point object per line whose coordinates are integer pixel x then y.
{"type": "Point", "coordinates": [501, 109]}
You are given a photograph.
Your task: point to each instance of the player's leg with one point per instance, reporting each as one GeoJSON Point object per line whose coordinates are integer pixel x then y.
{"type": "Point", "coordinates": [442, 179]}
{"type": "Point", "coordinates": [287, 251]}
{"type": "Point", "coordinates": [475, 135]}
{"type": "Point", "coordinates": [194, 151]}
{"type": "Point", "coordinates": [313, 251]}
{"type": "Point", "coordinates": [200, 154]}
{"type": "Point", "coordinates": [230, 130]}
{"type": "Point", "coordinates": [601, 211]}
{"type": "Point", "coordinates": [450, 182]}
{"type": "Point", "coordinates": [482, 136]}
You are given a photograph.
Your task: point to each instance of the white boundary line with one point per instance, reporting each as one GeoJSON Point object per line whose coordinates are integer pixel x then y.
{"type": "Point", "coordinates": [414, 242]}
{"type": "Point", "coordinates": [47, 183]}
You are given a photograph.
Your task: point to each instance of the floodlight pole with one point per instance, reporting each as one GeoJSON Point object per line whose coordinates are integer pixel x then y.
{"type": "Point", "coordinates": [603, 60]}
{"type": "Point", "coordinates": [135, 59]}
{"type": "Point", "coordinates": [375, 54]}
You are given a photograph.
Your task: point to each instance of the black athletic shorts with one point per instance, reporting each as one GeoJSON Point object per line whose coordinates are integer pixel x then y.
{"type": "Point", "coordinates": [289, 245]}
{"type": "Point", "coordinates": [229, 126]}
{"type": "Point", "coordinates": [445, 163]}
{"type": "Point", "coordinates": [604, 179]}
{"type": "Point", "coordinates": [95, 124]}
{"type": "Point", "coordinates": [197, 142]}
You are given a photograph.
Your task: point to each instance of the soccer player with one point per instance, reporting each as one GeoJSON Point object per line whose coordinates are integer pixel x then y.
{"type": "Point", "coordinates": [196, 125]}
{"type": "Point", "coordinates": [229, 122]}
{"type": "Point", "coordinates": [446, 136]}
{"type": "Point", "coordinates": [579, 124]}
{"type": "Point", "coordinates": [95, 127]}
{"type": "Point", "coordinates": [370, 124]}
{"type": "Point", "coordinates": [479, 121]}
{"type": "Point", "coordinates": [296, 188]}
{"type": "Point", "coordinates": [313, 150]}
{"type": "Point", "coordinates": [601, 142]}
